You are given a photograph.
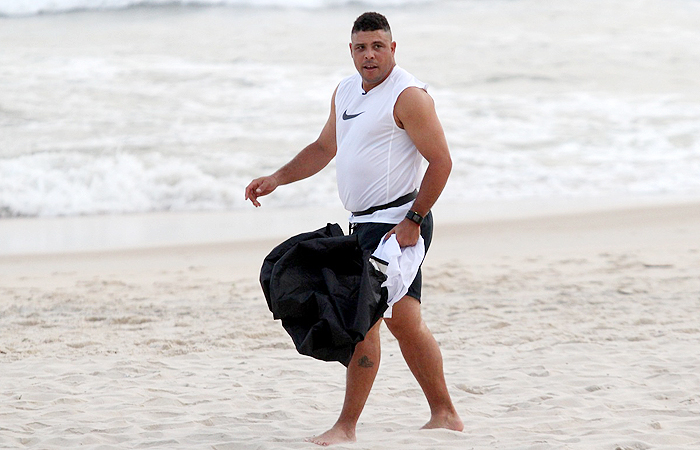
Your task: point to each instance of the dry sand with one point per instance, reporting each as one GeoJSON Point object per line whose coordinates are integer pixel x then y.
{"type": "Point", "coordinates": [571, 330]}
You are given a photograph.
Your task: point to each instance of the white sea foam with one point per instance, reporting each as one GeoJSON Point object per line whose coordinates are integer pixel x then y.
{"type": "Point", "coordinates": [579, 146]}
{"type": "Point", "coordinates": [153, 110]}
{"type": "Point", "coordinates": [32, 7]}
{"type": "Point", "coordinates": [72, 183]}
{"type": "Point", "coordinates": [572, 146]}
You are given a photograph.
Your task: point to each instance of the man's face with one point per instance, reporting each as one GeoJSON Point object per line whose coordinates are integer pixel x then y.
{"type": "Point", "coordinates": [373, 55]}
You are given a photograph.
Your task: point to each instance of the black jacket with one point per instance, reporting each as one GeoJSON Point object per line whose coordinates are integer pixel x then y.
{"type": "Point", "coordinates": [326, 292]}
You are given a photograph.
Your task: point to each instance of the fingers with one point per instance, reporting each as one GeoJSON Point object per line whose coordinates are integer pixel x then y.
{"type": "Point", "coordinates": [388, 235]}
{"type": "Point", "coordinates": [253, 191]}
{"type": "Point", "coordinates": [258, 188]}
{"type": "Point", "coordinates": [406, 234]}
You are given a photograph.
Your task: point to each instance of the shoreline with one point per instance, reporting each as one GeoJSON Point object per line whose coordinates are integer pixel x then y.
{"type": "Point", "coordinates": [36, 250]}
{"type": "Point", "coordinates": [157, 230]}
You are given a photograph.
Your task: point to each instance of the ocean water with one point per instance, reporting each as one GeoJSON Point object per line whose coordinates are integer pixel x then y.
{"type": "Point", "coordinates": [123, 106]}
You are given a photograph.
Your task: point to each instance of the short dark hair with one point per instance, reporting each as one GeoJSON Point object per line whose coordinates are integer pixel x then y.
{"type": "Point", "coordinates": [371, 21]}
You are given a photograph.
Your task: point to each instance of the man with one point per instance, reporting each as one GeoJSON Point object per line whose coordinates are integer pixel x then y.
{"type": "Point", "coordinates": [382, 123]}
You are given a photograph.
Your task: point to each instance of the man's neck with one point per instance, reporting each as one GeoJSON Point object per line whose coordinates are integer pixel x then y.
{"type": "Point", "coordinates": [364, 88]}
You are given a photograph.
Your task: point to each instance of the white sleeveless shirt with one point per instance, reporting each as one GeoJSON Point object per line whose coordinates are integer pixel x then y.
{"type": "Point", "coordinates": [376, 161]}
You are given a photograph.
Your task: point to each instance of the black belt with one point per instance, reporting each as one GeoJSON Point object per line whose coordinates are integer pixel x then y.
{"type": "Point", "coordinates": [398, 202]}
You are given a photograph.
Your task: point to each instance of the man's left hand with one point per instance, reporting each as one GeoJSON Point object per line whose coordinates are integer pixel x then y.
{"type": "Point", "coordinates": [406, 232]}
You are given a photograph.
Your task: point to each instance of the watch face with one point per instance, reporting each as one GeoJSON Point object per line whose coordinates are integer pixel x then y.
{"type": "Point", "coordinates": [414, 216]}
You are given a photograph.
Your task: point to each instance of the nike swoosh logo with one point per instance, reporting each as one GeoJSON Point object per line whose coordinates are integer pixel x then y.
{"type": "Point", "coordinates": [347, 116]}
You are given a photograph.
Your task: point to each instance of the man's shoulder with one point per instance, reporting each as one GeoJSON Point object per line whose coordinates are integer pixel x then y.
{"type": "Point", "coordinates": [404, 79]}
{"type": "Point", "coordinates": [401, 73]}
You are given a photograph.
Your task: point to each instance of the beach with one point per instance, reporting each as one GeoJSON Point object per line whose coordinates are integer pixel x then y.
{"type": "Point", "coordinates": [561, 328]}
{"type": "Point", "coordinates": [562, 283]}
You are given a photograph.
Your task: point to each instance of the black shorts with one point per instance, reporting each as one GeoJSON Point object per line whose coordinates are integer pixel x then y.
{"type": "Point", "coordinates": [370, 234]}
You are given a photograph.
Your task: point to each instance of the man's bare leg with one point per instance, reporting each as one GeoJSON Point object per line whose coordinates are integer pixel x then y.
{"type": "Point", "coordinates": [360, 377]}
{"type": "Point", "coordinates": [423, 356]}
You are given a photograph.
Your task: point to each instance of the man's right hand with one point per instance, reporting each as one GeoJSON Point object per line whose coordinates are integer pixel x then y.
{"type": "Point", "coordinates": [260, 187]}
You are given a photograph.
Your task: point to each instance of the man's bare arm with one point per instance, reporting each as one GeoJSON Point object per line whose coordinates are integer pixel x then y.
{"type": "Point", "coordinates": [415, 112]}
{"type": "Point", "coordinates": [306, 163]}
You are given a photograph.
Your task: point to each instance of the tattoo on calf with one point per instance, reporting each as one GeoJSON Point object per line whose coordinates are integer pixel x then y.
{"type": "Point", "coordinates": [365, 362]}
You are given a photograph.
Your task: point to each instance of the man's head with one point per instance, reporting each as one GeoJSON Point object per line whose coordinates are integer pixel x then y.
{"type": "Point", "coordinates": [372, 48]}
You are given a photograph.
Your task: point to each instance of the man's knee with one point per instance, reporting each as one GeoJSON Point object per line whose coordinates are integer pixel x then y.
{"type": "Point", "coordinates": [406, 318]}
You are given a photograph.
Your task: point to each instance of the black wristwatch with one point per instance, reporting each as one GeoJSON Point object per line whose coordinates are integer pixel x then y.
{"type": "Point", "coordinates": [414, 216]}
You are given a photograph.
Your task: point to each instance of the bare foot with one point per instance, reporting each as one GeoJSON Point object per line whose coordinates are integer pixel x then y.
{"type": "Point", "coordinates": [448, 421]}
{"type": "Point", "coordinates": [335, 435]}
